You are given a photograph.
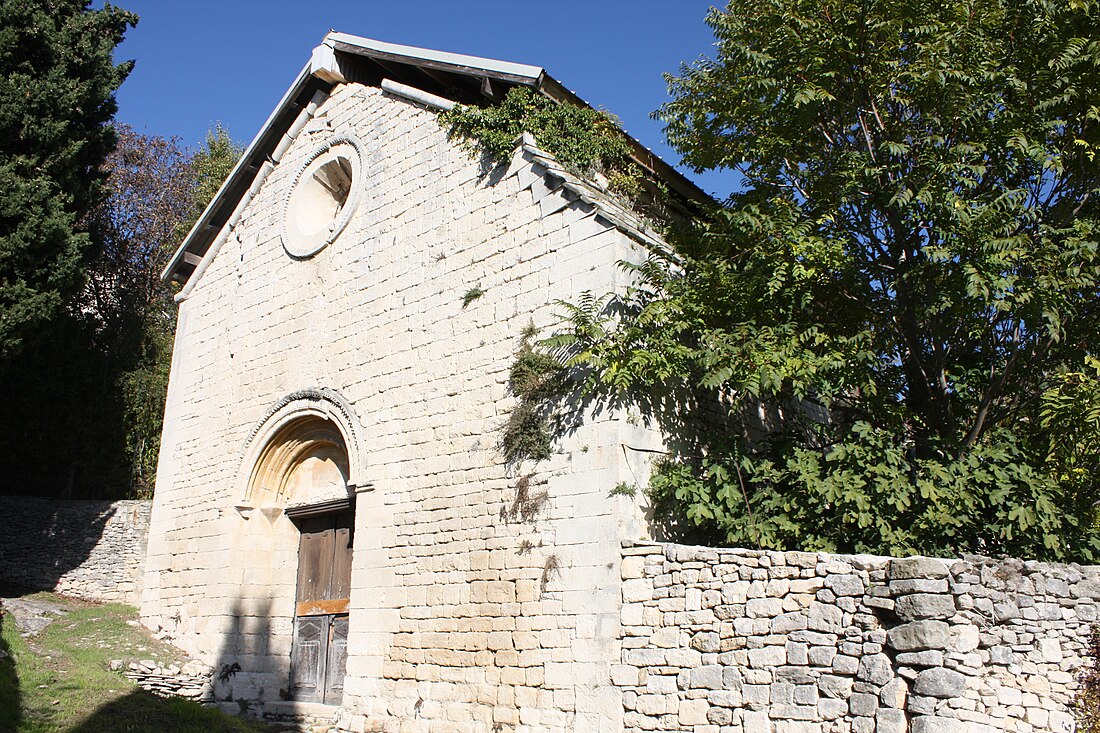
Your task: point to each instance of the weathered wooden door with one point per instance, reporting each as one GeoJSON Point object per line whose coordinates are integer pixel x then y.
{"type": "Point", "coordinates": [319, 652]}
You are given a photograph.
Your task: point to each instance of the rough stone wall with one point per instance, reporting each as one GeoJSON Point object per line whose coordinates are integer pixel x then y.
{"type": "Point", "coordinates": [739, 641]}
{"type": "Point", "coordinates": [473, 608]}
{"type": "Point", "coordinates": [89, 549]}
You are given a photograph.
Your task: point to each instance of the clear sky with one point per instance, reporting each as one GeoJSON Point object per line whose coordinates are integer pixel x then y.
{"type": "Point", "coordinates": [204, 61]}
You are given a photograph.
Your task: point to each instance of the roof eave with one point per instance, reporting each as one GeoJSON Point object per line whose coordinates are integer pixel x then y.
{"type": "Point", "coordinates": [206, 226]}
{"type": "Point", "coordinates": [442, 60]}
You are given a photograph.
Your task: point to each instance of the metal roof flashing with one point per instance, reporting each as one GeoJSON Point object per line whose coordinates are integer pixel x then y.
{"type": "Point", "coordinates": [341, 58]}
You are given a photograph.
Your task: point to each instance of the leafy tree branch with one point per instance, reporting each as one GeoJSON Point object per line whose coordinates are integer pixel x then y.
{"type": "Point", "coordinates": [883, 330]}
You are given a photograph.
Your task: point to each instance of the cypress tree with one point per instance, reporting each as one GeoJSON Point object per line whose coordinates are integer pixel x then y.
{"type": "Point", "coordinates": [57, 100]}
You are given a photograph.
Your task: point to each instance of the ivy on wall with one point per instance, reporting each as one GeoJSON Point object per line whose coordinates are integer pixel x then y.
{"type": "Point", "coordinates": [589, 142]}
{"type": "Point", "coordinates": [535, 379]}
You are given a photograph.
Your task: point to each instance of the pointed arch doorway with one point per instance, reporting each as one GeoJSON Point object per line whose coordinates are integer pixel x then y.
{"type": "Point", "coordinates": [303, 469]}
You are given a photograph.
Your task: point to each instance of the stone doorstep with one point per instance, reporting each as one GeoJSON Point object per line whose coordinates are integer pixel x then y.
{"type": "Point", "coordinates": [311, 712]}
{"type": "Point", "coordinates": [288, 715]}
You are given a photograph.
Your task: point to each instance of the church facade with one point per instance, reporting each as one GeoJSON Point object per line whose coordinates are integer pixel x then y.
{"type": "Point", "coordinates": [334, 526]}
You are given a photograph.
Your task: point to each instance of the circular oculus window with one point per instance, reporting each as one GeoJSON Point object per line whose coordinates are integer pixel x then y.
{"type": "Point", "coordinates": [323, 197]}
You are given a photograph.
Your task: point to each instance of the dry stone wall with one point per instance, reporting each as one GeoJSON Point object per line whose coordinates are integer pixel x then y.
{"type": "Point", "coordinates": [90, 549]}
{"type": "Point", "coordinates": [740, 641]}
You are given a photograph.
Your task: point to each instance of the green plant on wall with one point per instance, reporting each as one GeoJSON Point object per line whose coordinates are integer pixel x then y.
{"type": "Point", "coordinates": [471, 295]}
{"type": "Point", "coordinates": [535, 380]}
{"type": "Point", "coordinates": [586, 140]}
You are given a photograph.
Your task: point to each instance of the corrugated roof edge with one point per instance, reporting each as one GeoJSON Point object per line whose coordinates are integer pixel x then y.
{"type": "Point", "coordinates": [323, 68]}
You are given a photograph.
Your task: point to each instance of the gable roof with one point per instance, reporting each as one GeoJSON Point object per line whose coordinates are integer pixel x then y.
{"type": "Point", "coordinates": [345, 58]}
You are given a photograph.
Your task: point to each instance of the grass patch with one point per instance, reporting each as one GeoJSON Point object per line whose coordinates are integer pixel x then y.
{"type": "Point", "coordinates": [59, 682]}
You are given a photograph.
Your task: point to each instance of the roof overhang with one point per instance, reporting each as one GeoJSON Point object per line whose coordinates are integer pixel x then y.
{"type": "Point", "coordinates": [345, 58]}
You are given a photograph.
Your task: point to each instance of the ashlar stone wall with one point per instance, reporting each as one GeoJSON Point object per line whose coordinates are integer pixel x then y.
{"type": "Point", "coordinates": [485, 597]}
{"type": "Point", "coordinates": [740, 641]}
{"type": "Point", "coordinates": [89, 549]}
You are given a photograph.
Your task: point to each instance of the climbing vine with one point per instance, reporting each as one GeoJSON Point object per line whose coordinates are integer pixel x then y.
{"type": "Point", "coordinates": [583, 139]}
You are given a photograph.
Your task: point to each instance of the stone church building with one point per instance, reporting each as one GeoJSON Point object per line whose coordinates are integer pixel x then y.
{"type": "Point", "coordinates": [334, 526]}
{"type": "Point", "coordinates": [336, 532]}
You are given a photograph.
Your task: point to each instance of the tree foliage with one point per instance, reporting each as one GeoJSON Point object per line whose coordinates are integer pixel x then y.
{"type": "Point", "coordinates": [127, 308]}
{"type": "Point", "coordinates": [157, 192]}
{"type": "Point", "coordinates": [887, 340]}
{"type": "Point", "coordinates": [162, 189]}
{"type": "Point", "coordinates": [86, 398]}
{"type": "Point", "coordinates": [57, 86]}
{"type": "Point", "coordinates": [210, 166]}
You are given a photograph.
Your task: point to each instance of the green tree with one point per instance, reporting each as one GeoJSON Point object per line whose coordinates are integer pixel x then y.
{"type": "Point", "coordinates": [211, 165]}
{"type": "Point", "coordinates": [877, 344]}
{"type": "Point", "coordinates": [84, 401]}
{"type": "Point", "coordinates": [157, 191]}
{"type": "Point", "coordinates": [127, 309]}
{"type": "Point", "coordinates": [57, 86]}
{"type": "Point", "coordinates": [145, 385]}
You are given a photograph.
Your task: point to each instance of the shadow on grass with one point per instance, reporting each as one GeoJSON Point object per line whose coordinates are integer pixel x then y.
{"type": "Point", "coordinates": [59, 681]}
{"type": "Point", "coordinates": [10, 698]}
{"type": "Point", "coordinates": [141, 711]}
{"type": "Point", "coordinates": [144, 712]}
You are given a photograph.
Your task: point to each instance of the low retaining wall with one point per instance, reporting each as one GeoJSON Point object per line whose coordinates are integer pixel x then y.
{"type": "Point", "coordinates": [90, 549]}
{"type": "Point", "coordinates": [738, 641]}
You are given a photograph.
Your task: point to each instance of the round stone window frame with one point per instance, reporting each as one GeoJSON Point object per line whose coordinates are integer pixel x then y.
{"type": "Point", "coordinates": [309, 190]}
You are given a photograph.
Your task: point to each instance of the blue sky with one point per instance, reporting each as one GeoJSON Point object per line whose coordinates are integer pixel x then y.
{"type": "Point", "coordinates": [201, 61]}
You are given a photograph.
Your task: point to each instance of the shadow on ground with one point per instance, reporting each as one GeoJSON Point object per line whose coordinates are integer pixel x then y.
{"type": "Point", "coordinates": [55, 673]}
{"type": "Point", "coordinates": [10, 699]}
{"type": "Point", "coordinates": [244, 646]}
{"type": "Point", "coordinates": [144, 712]}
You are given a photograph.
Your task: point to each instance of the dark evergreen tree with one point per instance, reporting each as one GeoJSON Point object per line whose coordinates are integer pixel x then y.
{"type": "Point", "coordinates": [85, 400]}
{"type": "Point", "coordinates": [57, 87]}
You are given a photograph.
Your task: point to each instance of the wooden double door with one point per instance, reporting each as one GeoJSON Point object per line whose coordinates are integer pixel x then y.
{"type": "Point", "coordinates": [319, 653]}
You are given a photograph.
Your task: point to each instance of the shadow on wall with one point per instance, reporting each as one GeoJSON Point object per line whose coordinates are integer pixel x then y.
{"type": "Point", "coordinates": [249, 670]}
{"type": "Point", "coordinates": [691, 420]}
{"type": "Point", "coordinates": [10, 698]}
{"type": "Point", "coordinates": [43, 540]}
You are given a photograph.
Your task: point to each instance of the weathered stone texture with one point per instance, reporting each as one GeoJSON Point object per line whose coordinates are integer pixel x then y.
{"type": "Point", "coordinates": [88, 549]}
{"type": "Point", "coordinates": [465, 607]}
{"type": "Point", "coordinates": [806, 642]}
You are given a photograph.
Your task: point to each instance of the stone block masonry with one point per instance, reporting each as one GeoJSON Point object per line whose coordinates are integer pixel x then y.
{"type": "Point", "coordinates": [472, 610]}
{"type": "Point", "coordinates": [741, 641]}
{"type": "Point", "coordinates": [89, 549]}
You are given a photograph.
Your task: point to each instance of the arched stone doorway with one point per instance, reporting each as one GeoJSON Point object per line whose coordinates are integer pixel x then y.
{"type": "Point", "coordinates": [302, 472]}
